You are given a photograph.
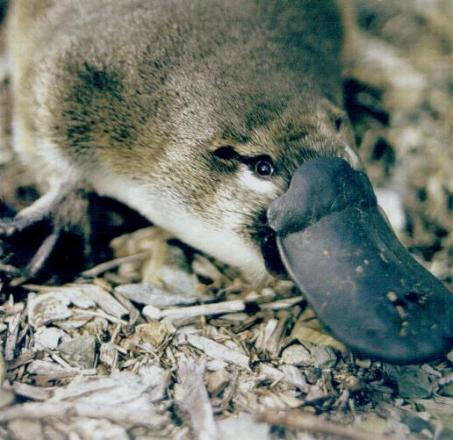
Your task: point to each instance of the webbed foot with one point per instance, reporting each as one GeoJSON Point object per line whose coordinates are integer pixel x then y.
{"type": "Point", "coordinates": [64, 209]}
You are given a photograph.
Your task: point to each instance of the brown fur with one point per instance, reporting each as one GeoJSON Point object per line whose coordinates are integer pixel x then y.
{"type": "Point", "coordinates": [148, 90]}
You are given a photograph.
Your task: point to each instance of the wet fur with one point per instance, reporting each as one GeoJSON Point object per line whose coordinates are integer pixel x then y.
{"type": "Point", "coordinates": [134, 97]}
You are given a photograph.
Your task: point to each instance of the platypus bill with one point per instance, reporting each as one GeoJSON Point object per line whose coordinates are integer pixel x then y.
{"type": "Point", "coordinates": [199, 114]}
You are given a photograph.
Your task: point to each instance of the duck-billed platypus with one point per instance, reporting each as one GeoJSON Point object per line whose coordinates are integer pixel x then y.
{"type": "Point", "coordinates": [199, 114]}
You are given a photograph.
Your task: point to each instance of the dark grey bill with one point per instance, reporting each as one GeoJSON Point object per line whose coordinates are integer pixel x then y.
{"type": "Point", "coordinates": [361, 281]}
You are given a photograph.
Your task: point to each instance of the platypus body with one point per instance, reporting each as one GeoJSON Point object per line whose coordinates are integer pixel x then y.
{"type": "Point", "coordinates": [197, 113]}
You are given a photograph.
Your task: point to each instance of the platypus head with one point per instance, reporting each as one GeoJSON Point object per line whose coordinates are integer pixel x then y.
{"type": "Point", "coordinates": [254, 163]}
{"type": "Point", "coordinates": [281, 190]}
{"type": "Point", "coordinates": [244, 147]}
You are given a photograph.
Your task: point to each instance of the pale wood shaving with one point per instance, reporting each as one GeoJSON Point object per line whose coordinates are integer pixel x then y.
{"type": "Point", "coordinates": [194, 311]}
{"type": "Point", "coordinates": [192, 397]}
{"type": "Point", "coordinates": [309, 423]}
{"type": "Point", "coordinates": [218, 351]}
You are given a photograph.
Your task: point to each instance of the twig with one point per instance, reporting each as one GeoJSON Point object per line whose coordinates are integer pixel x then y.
{"type": "Point", "coordinates": [193, 311]}
{"type": "Point", "coordinates": [134, 314]}
{"type": "Point", "coordinates": [306, 422]}
{"type": "Point", "coordinates": [38, 288]}
{"type": "Point", "coordinates": [282, 303]}
{"type": "Point", "coordinates": [82, 313]}
{"type": "Point", "coordinates": [8, 268]}
{"type": "Point", "coordinates": [218, 308]}
{"type": "Point", "coordinates": [108, 265]}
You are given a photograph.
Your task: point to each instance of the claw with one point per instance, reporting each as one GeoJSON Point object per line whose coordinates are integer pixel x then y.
{"type": "Point", "coordinates": [11, 226]}
{"type": "Point", "coordinates": [65, 207]}
{"type": "Point", "coordinates": [9, 269]}
{"type": "Point", "coordinates": [39, 259]}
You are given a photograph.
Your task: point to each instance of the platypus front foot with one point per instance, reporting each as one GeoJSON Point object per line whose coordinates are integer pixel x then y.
{"type": "Point", "coordinates": [65, 209]}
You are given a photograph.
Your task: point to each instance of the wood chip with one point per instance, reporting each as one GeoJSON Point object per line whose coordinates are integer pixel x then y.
{"type": "Point", "coordinates": [153, 333]}
{"type": "Point", "coordinates": [53, 370]}
{"type": "Point", "coordinates": [317, 337]}
{"type": "Point", "coordinates": [26, 429]}
{"type": "Point", "coordinates": [89, 428]}
{"type": "Point", "coordinates": [241, 425]}
{"type": "Point", "coordinates": [80, 351]}
{"type": "Point", "coordinates": [148, 294]}
{"type": "Point", "coordinates": [32, 392]}
{"type": "Point", "coordinates": [123, 397]}
{"type": "Point", "coordinates": [49, 337]}
{"type": "Point", "coordinates": [54, 305]}
{"type": "Point", "coordinates": [269, 338]}
{"type": "Point", "coordinates": [192, 397]}
{"type": "Point", "coordinates": [50, 410]}
{"type": "Point", "coordinates": [217, 381]}
{"type": "Point", "coordinates": [6, 397]}
{"type": "Point", "coordinates": [218, 351]}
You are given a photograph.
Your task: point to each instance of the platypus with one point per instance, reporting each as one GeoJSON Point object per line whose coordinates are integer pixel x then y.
{"type": "Point", "coordinates": [198, 114]}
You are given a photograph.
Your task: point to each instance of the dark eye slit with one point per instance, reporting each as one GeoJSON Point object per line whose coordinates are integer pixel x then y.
{"type": "Point", "coordinates": [228, 152]}
{"type": "Point", "coordinates": [338, 122]}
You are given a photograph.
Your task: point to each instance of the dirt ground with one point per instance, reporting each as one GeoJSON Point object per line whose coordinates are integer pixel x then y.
{"type": "Point", "coordinates": [156, 340]}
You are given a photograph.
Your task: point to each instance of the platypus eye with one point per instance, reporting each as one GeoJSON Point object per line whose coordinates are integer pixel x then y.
{"type": "Point", "coordinates": [264, 167]}
{"type": "Point", "coordinates": [261, 165]}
